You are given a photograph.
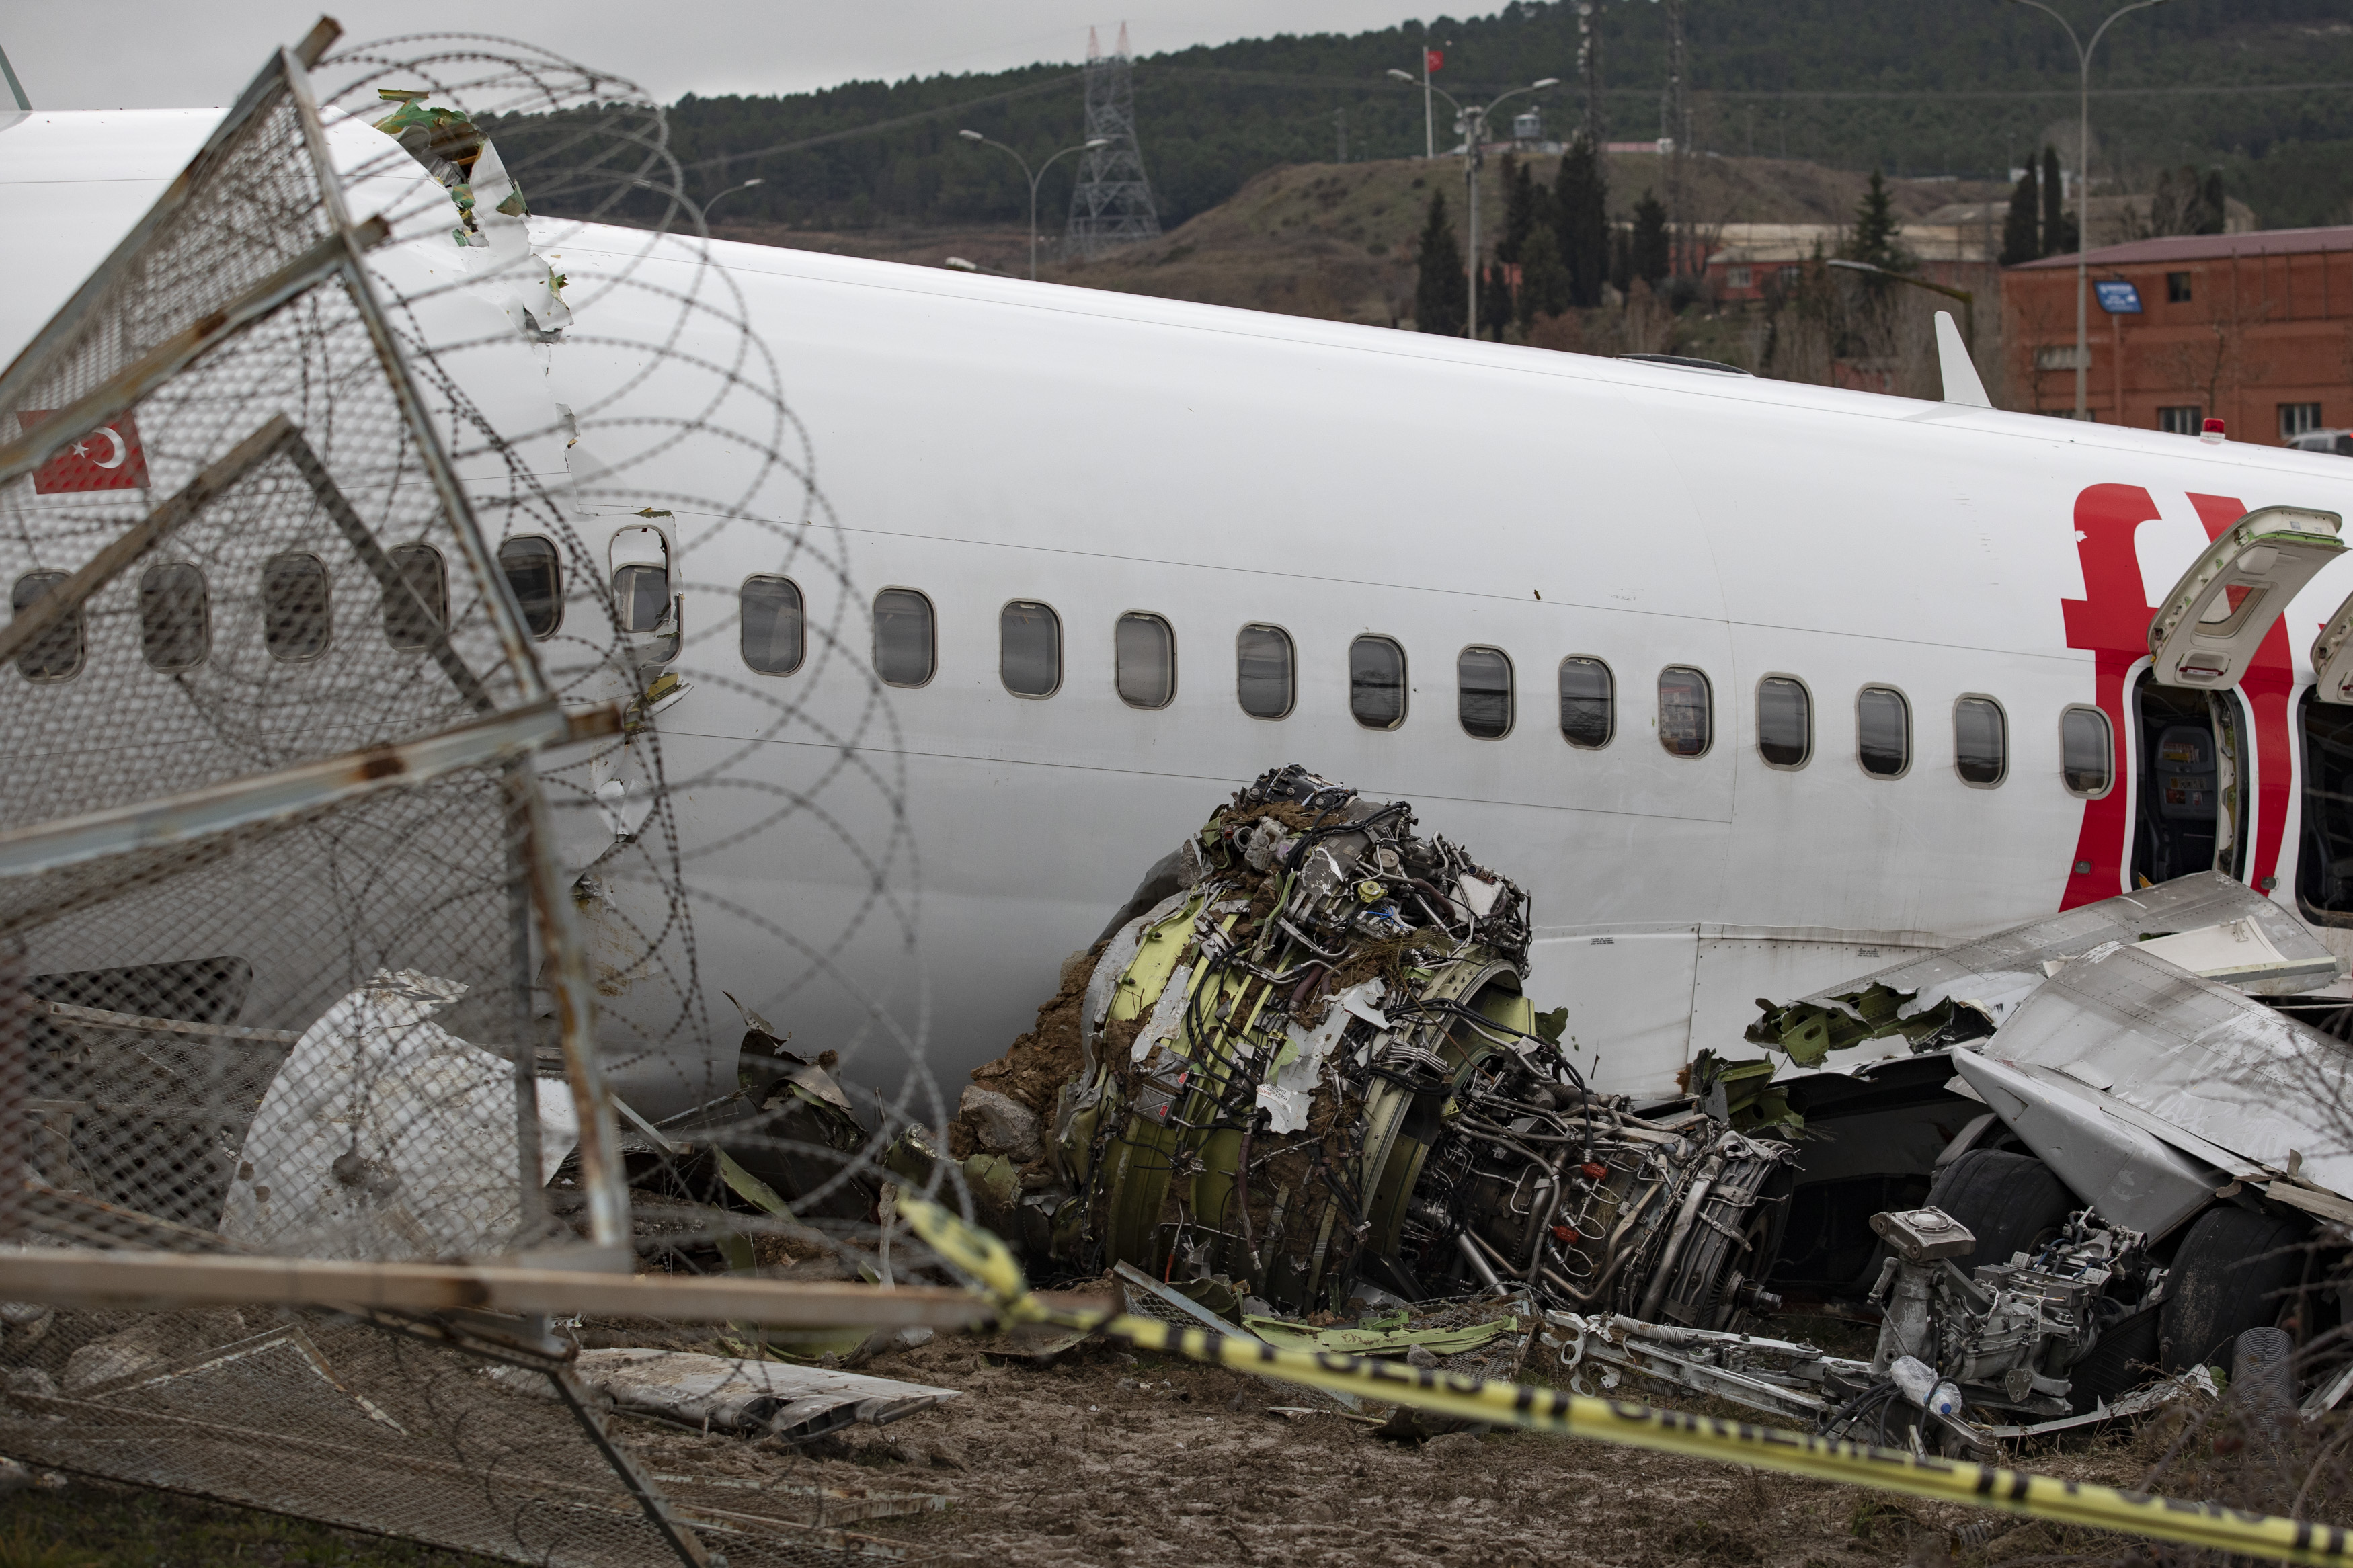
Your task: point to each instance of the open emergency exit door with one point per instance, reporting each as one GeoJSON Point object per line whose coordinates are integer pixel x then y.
{"type": "Point", "coordinates": [2208, 628]}
{"type": "Point", "coordinates": [2332, 658]}
{"type": "Point", "coordinates": [2190, 745]}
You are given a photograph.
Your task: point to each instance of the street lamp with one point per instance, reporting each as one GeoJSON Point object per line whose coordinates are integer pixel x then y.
{"type": "Point", "coordinates": [1087, 146]}
{"type": "Point", "coordinates": [2084, 189]}
{"type": "Point", "coordinates": [1474, 119]}
{"type": "Point", "coordinates": [1969, 301]}
{"type": "Point", "coordinates": [729, 191]}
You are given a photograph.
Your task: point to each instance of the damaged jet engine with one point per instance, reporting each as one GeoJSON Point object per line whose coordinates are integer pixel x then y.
{"type": "Point", "coordinates": [1310, 1074]}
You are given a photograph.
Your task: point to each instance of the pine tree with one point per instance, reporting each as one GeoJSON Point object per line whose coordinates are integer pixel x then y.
{"type": "Point", "coordinates": [2021, 232]}
{"type": "Point", "coordinates": [1621, 259]}
{"type": "Point", "coordinates": [1581, 214]}
{"type": "Point", "coordinates": [1649, 257]}
{"type": "Point", "coordinates": [1545, 280]}
{"type": "Point", "coordinates": [1875, 228]}
{"type": "Point", "coordinates": [1441, 290]}
{"type": "Point", "coordinates": [2058, 228]}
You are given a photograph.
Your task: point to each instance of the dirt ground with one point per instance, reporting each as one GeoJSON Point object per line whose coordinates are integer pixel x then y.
{"type": "Point", "coordinates": [1101, 1458]}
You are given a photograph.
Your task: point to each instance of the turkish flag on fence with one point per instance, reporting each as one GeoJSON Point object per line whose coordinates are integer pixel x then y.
{"type": "Point", "coordinates": [1433, 58]}
{"type": "Point", "coordinates": [108, 458]}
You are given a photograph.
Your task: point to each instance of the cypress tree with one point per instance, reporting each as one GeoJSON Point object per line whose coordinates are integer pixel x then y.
{"type": "Point", "coordinates": [2022, 231]}
{"type": "Point", "coordinates": [2214, 215]}
{"type": "Point", "coordinates": [1581, 212]}
{"type": "Point", "coordinates": [1545, 282]}
{"type": "Point", "coordinates": [1521, 196]}
{"type": "Point", "coordinates": [1649, 257]}
{"type": "Point", "coordinates": [2058, 230]}
{"type": "Point", "coordinates": [1441, 289]}
{"type": "Point", "coordinates": [1495, 301]}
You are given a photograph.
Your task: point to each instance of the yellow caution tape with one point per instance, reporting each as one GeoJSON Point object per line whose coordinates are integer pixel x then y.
{"type": "Point", "coordinates": [984, 1258]}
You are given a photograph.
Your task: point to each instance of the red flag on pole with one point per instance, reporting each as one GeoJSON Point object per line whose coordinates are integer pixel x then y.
{"type": "Point", "coordinates": [1433, 58]}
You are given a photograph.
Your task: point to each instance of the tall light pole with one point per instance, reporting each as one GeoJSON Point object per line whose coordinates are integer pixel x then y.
{"type": "Point", "coordinates": [2084, 189]}
{"type": "Point", "coordinates": [1473, 120]}
{"type": "Point", "coordinates": [1087, 146]}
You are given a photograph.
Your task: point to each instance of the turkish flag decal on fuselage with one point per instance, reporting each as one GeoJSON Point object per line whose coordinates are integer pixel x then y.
{"type": "Point", "coordinates": [107, 458]}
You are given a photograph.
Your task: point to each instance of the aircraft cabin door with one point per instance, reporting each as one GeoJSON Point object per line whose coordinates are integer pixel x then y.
{"type": "Point", "coordinates": [2190, 739]}
{"type": "Point", "coordinates": [2208, 628]}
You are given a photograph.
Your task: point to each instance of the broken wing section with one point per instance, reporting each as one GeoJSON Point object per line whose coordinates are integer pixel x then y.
{"type": "Point", "coordinates": [2221, 1080]}
{"type": "Point", "coordinates": [2219, 927]}
{"type": "Point", "coordinates": [2209, 626]}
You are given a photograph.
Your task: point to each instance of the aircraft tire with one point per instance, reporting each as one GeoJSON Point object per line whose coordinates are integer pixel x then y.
{"type": "Point", "coordinates": [2011, 1203]}
{"type": "Point", "coordinates": [2236, 1269]}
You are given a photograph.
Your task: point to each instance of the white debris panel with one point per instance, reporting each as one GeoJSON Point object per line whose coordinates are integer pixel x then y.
{"type": "Point", "coordinates": [761, 1398]}
{"type": "Point", "coordinates": [385, 1136]}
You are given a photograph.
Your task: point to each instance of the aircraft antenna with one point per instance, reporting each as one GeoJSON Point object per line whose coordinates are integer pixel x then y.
{"type": "Point", "coordinates": [1112, 204]}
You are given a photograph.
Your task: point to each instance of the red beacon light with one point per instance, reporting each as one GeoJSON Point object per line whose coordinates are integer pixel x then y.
{"type": "Point", "coordinates": [2212, 431]}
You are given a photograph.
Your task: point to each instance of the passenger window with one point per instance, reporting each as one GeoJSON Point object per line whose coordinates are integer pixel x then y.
{"type": "Point", "coordinates": [1030, 648]}
{"type": "Point", "coordinates": [537, 579]}
{"type": "Point", "coordinates": [174, 616]}
{"type": "Point", "coordinates": [1587, 702]}
{"type": "Point", "coordinates": [297, 615]}
{"type": "Point", "coordinates": [1980, 742]}
{"type": "Point", "coordinates": [1377, 682]}
{"type": "Point", "coordinates": [768, 623]}
{"type": "Point", "coordinates": [1785, 721]}
{"type": "Point", "coordinates": [1143, 660]}
{"type": "Point", "coordinates": [416, 600]}
{"type": "Point", "coordinates": [1686, 711]}
{"type": "Point", "coordinates": [904, 653]}
{"type": "Point", "coordinates": [1263, 672]}
{"type": "Point", "coordinates": [55, 653]}
{"type": "Point", "coordinates": [1882, 731]}
{"type": "Point", "coordinates": [2087, 751]}
{"type": "Point", "coordinates": [1483, 691]}
{"type": "Point", "coordinates": [641, 591]}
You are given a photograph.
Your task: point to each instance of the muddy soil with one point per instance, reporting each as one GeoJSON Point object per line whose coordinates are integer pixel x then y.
{"type": "Point", "coordinates": [1107, 1459]}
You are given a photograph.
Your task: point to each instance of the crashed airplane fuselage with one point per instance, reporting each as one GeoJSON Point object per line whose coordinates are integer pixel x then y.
{"type": "Point", "coordinates": [1799, 677]}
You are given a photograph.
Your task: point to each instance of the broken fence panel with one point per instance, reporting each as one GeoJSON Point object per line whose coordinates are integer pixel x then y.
{"type": "Point", "coordinates": [69, 1277]}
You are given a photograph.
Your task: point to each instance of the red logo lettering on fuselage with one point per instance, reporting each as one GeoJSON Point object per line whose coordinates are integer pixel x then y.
{"type": "Point", "coordinates": [2111, 621]}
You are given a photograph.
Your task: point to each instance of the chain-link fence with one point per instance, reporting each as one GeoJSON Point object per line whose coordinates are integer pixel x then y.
{"type": "Point", "coordinates": [341, 859]}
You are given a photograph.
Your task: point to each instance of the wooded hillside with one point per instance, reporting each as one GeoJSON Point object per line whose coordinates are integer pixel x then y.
{"type": "Point", "coordinates": [2263, 88]}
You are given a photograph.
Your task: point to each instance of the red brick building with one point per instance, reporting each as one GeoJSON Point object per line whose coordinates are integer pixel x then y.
{"type": "Point", "coordinates": [2255, 329]}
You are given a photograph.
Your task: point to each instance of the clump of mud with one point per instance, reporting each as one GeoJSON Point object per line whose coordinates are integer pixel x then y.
{"type": "Point", "coordinates": [1039, 1062]}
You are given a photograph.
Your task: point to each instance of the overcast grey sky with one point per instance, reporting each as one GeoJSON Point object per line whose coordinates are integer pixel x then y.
{"type": "Point", "coordinates": [153, 54]}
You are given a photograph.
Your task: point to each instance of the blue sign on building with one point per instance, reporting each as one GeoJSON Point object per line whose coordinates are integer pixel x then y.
{"type": "Point", "coordinates": [2117, 297]}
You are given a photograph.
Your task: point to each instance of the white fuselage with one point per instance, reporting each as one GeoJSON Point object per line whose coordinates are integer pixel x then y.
{"type": "Point", "coordinates": [984, 441]}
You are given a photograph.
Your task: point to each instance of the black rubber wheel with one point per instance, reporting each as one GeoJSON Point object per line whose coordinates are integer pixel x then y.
{"type": "Point", "coordinates": [2011, 1203]}
{"type": "Point", "coordinates": [2119, 1362]}
{"type": "Point", "coordinates": [2235, 1269]}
